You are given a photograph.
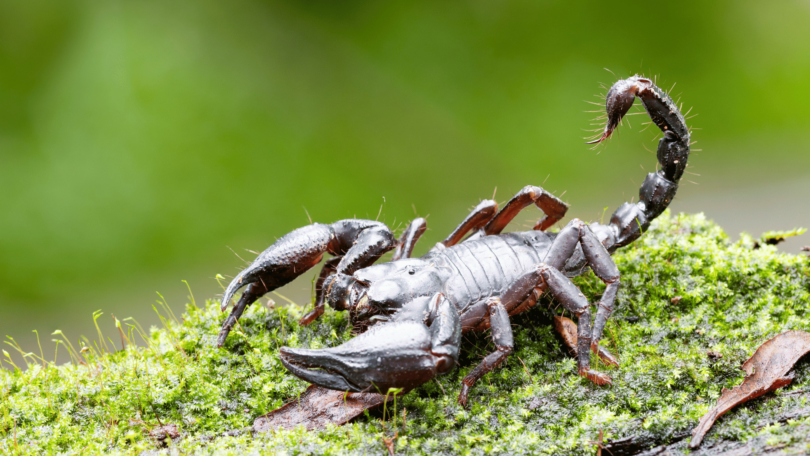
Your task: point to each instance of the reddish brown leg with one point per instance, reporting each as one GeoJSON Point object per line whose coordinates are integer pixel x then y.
{"type": "Point", "coordinates": [502, 336]}
{"type": "Point", "coordinates": [553, 208]}
{"type": "Point", "coordinates": [479, 217]}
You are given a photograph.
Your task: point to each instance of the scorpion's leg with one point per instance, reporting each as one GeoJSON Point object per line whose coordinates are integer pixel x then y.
{"type": "Point", "coordinates": [553, 208]}
{"type": "Point", "coordinates": [359, 242]}
{"type": "Point", "coordinates": [600, 261]}
{"type": "Point", "coordinates": [329, 268]}
{"type": "Point", "coordinates": [420, 342]}
{"type": "Point", "coordinates": [409, 238]}
{"type": "Point", "coordinates": [479, 217]}
{"type": "Point", "coordinates": [502, 336]}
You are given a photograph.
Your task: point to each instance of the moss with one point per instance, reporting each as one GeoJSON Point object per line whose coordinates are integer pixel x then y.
{"type": "Point", "coordinates": [692, 289]}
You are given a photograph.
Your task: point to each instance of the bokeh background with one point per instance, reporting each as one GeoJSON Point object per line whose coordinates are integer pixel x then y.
{"type": "Point", "coordinates": [147, 142]}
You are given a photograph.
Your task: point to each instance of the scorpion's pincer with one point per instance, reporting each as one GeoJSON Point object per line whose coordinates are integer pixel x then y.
{"type": "Point", "coordinates": [389, 355]}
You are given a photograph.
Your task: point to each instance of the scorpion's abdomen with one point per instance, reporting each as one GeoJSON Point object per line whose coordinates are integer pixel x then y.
{"type": "Point", "coordinates": [486, 266]}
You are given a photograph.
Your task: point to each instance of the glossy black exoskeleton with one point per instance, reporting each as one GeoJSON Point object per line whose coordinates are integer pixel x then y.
{"type": "Point", "coordinates": [417, 308]}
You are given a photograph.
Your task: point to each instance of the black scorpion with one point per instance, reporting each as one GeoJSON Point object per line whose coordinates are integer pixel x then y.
{"type": "Point", "coordinates": [418, 308]}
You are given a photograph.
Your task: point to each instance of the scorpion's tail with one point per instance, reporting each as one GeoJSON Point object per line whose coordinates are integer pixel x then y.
{"type": "Point", "coordinates": [658, 189]}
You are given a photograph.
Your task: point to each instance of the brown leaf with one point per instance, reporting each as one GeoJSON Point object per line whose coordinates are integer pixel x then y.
{"type": "Point", "coordinates": [714, 355]}
{"type": "Point", "coordinates": [316, 408]}
{"type": "Point", "coordinates": [568, 330]}
{"type": "Point", "coordinates": [765, 371]}
{"type": "Point", "coordinates": [162, 432]}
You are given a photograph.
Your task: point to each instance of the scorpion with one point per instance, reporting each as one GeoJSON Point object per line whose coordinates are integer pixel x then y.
{"type": "Point", "coordinates": [416, 309]}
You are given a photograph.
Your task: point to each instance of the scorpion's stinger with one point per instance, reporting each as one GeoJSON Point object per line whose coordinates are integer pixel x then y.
{"type": "Point", "coordinates": [619, 100]}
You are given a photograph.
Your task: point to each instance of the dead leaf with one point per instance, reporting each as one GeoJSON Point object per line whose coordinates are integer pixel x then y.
{"type": "Point", "coordinates": [568, 330]}
{"type": "Point", "coordinates": [714, 355]}
{"type": "Point", "coordinates": [765, 371]}
{"type": "Point", "coordinates": [318, 407]}
{"type": "Point", "coordinates": [389, 444]}
{"type": "Point", "coordinates": [162, 432]}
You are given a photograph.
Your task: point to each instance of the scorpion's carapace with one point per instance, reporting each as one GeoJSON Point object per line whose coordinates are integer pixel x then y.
{"type": "Point", "coordinates": [415, 309]}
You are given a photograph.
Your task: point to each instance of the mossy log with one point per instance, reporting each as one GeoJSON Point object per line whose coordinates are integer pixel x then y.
{"type": "Point", "coordinates": [693, 306]}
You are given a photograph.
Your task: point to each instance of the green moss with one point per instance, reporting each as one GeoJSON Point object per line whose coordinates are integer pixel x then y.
{"type": "Point", "coordinates": [731, 299]}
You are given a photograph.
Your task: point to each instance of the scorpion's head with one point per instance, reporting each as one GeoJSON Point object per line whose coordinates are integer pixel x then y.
{"type": "Point", "coordinates": [343, 291]}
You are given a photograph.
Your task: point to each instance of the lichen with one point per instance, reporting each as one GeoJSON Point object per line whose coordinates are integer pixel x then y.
{"type": "Point", "coordinates": [687, 289]}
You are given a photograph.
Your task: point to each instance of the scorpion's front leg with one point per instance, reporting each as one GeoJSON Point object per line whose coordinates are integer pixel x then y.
{"type": "Point", "coordinates": [501, 336]}
{"type": "Point", "coordinates": [408, 240]}
{"type": "Point", "coordinates": [418, 343]}
{"type": "Point", "coordinates": [358, 242]}
{"type": "Point", "coordinates": [329, 268]}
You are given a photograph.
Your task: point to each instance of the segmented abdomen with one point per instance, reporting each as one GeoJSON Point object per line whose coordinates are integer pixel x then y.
{"type": "Point", "coordinates": [485, 267]}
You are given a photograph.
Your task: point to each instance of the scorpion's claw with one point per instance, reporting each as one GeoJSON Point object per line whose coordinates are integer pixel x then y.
{"type": "Point", "coordinates": [238, 282]}
{"type": "Point", "coordinates": [391, 355]}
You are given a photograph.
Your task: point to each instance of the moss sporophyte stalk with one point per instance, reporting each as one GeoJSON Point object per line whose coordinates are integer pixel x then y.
{"type": "Point", "coordinates": [732, 298]}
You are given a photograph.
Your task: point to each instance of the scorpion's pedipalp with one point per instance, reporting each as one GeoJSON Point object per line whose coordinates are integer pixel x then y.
{"type": "Point", "coordinates": [286, 259]}
{"type": "Point", "coordinates": [357, 242]}
{"type": "Point", "coordinates": [401, 353]}
{"type": "Point", "coordinates": [388, 355]}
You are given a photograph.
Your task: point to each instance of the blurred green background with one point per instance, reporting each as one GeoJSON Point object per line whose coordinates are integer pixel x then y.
{"type": "Point", "coordinates": [142, 140]}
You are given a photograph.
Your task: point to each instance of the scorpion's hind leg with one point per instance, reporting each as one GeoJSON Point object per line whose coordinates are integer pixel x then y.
{"type": "Point", "coordinates": [473, 223]}
{"type": "Point", "coordinates": [420, 342]}
{"type": "Point", "coordinates": [358, 242]}
{"type": "Point", "coordinates": [553, 208]}
{"type": "Point", "coordinates": [486, 220]}
{"type": "Point", "coordinates": [600, 261]}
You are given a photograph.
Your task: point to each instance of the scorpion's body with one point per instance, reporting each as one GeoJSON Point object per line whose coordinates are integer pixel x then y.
{"type": "Point", "coordinates": [467, 274]}
{"type": "Point", "coordinates": [416, 309]}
